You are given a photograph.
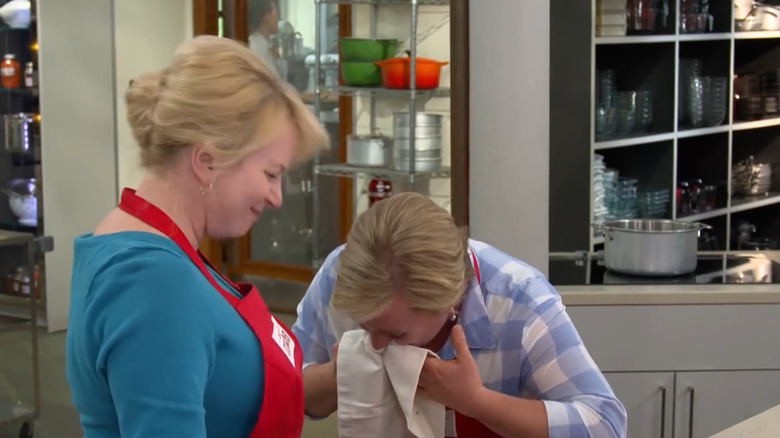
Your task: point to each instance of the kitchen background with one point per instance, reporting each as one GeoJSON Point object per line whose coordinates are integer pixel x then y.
{"type": "Point", "coordinates": [627, 109]}
{"type": "Point", "coordinates": [84, 71]}
{"type": "Point", "coordinates": [672, 112]}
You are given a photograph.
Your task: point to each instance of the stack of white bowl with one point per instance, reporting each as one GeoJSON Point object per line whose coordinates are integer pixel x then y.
{"type": "Point", "coordinates": [611, 19]}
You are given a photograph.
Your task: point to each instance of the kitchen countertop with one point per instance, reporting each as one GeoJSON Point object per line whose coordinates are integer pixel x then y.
{"type": "Point", "coordinates": [763, 425]}
{"type": "Point", "coordinates": [282, 296]}
{"type": "Point", "coordinates": [637, 295]}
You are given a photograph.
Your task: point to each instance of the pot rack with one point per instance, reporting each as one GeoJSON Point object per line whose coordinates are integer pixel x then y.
{"type": "Point", "coordinates": [413, 95]}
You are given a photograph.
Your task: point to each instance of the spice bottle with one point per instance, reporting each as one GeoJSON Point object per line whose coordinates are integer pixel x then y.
{"type": "Point", "coordinates": [22, 282]}
{"type": "Point", "coordinates": [15, 286]}
{"type": "Point", "coordinates": [30, 76]}
{"type": "Point", "coordinates": [10, 76]}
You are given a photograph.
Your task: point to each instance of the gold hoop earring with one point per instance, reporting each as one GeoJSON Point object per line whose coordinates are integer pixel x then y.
{"type": "Point", "coordinates": [203, 191]}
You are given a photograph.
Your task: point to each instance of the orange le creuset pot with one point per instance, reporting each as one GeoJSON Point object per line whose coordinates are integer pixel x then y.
{"type": "Point", "coordinates": [396, 72]}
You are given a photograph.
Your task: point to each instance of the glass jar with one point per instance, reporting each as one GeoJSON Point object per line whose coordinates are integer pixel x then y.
{"type": "Point", "coordinates": [22, 284]}
{"type": "Point", "coordinates": [10, 76]}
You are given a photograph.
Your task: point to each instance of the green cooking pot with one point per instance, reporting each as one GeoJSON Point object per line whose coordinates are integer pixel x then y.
{"type": "Point", "coordinates": [361, 74]}
{"type": "Point", "coordinates": [366, 49]}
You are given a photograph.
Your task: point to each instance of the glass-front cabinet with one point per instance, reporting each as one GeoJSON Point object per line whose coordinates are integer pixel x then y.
{"type": "Point", "coordinates": [285, 34]}
{"type": "Point", "coordinates": [282, 33]}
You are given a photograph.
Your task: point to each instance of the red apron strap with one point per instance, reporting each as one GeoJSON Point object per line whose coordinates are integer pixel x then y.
{"type": "Point", "coordinates": [475, 265]}
{"type": "Point", "coordinates": [282, 411]}
{"type": "Point", "coordinates": [467, 427]}
{"type": "Point", "coordinates": [150, 214]}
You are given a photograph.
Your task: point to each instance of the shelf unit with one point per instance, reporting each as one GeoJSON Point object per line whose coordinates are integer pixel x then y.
{"type": "Point", "coordinates": [385, 92]}
{"type": "Point", "coordinates": [413, 97]}
{"type": "Point", "coordinates": [669, 152]}
{"type": "Point", "coordinates": [348, 171]}
{"type": "Point", "coordinates": [23, 43]}
{"type": "Point", "coordinates": [12, 408]}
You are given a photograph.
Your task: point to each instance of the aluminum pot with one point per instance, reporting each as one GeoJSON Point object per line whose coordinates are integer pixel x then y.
{"type": "Point", "coordinates": [368, 150]}
{"type": "Point", "coordinates": [611, 277]}
{"type": "Point", "coordinates": [420, 164]}
{"type": "Point", "coordinates": [426, 125]}
{"type": "Point", "coordinates": [405, 154]}
{"type": "Point", "coordinates": [420, 144]}
{"type": "Point", "coordinates": [420, 131]}
{"type": "Point", "coordinates": [21, 132]}
{"type": "Point", "coordinates": [651, 247]}
{"type": "Point", "coordinates": [425, 160]}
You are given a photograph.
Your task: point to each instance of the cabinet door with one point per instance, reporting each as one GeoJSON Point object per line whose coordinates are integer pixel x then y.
{"type": "Point", "coordinates": [648, 400]}
{"type": "Point", "coordinates": [709, 402]}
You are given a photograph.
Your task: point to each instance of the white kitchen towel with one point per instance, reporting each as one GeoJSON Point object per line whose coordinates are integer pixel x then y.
{"type": "Point", "coordinates": [377, 391]}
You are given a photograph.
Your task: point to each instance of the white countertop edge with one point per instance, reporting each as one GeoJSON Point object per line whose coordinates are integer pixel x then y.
{"type": "Point", "coordinates": [638, 295]}
{"type": "Point", "coordinates": [763, 425]}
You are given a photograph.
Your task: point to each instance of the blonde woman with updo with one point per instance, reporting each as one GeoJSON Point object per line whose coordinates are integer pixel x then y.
{"type": "Point", "coordinates": [511, 363]}
{"type": "Point", "coordinates": [159, 343]}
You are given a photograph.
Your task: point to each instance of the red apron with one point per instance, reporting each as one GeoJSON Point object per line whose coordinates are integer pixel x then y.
{"type": "Point", "coordinates": [467, 427]}
{"type": "Point", "coordinates": [281, 415]}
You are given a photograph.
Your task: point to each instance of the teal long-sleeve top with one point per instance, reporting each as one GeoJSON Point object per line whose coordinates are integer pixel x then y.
{"type": "Point", "coordinates": [153, 350]}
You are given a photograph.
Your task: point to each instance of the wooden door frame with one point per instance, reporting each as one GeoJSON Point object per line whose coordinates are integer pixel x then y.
{"type": "Point", "coordinates": [205, 17]}
{"type": "Point", "coordinates": [205, 21]}
{"type": "Point", "coordinates": [459, 110]}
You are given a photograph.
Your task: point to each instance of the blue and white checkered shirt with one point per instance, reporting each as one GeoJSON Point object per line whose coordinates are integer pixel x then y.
{"type": "Point", "coordinates": [518, 331]}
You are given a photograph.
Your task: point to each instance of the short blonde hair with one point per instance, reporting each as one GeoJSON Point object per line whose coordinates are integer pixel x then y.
{"type": "Point", "coordinates": [218, 94]}
{"type": "Point", "coordinates": [403, 245]}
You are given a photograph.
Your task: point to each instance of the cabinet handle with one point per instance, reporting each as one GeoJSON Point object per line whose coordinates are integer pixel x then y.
{"type": "Point", "coordinates": [690, 412]}
{"type": "Point", "coordinates": [663, 411]}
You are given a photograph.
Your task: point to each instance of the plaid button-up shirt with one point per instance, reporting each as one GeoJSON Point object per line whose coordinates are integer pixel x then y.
{"type": "Point", "coordinates": [519, 333]}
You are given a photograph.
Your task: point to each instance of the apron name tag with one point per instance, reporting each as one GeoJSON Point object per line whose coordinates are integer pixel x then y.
{"type": "Point", "coordinates": [449, 424]}
{"type": "Point", "coordinates": [284, 341]}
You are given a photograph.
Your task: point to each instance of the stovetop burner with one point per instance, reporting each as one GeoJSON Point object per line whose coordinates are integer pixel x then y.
{"type": "Point", "coordinates": [713, 267]}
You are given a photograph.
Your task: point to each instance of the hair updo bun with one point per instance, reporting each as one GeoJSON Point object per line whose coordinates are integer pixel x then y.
{"type": "Point", "coordinates": [141, 100]}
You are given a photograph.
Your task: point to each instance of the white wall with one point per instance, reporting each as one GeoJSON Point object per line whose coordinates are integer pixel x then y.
{"type": "Point", "coordinates": [509, 126]}
{"type": "Point", "coordinates": [146, 35]}
{"type": "Point", "coordinates": [77, 131]}
{"type": "Point", "coordinates": [300, 13]}
{"type": "Point", "coordinates": [89, 50]}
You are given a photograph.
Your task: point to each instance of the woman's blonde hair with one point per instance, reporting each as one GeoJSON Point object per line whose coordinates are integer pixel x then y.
{"type": "Point", "coordinates": [218, 94]}
{"type": "Point", "coordinates": [403, 246]}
